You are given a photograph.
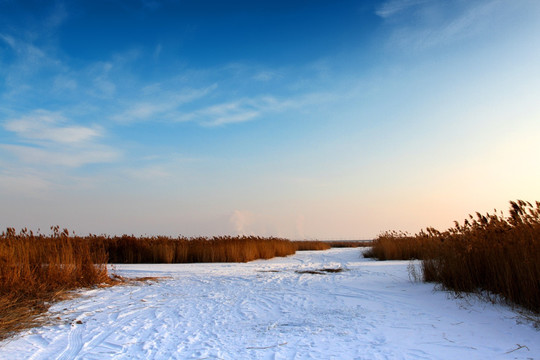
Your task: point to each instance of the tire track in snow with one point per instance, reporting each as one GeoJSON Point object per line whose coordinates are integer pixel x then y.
{"type": "Point", "coordinates": [242, 311]}
{"type": "Point", "coordinates": [75, 343]}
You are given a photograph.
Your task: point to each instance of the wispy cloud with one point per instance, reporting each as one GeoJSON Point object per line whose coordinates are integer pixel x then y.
{"type": "Point", "coordinates": [394, 7]}
{"type": "Point", "coordinates": [63, 82]}
{"type": "Point", "coordinates": [227, 113]}
{"type": "Point", "coordinates": [50, 126]}
{"type": "Point", "coordinates": [63, 157]}
{"type": "Point", "coordinates": [265, 75]}
{"type": "Point", "coordinates": [26, 70]}
{"type": "Point", "coordinates": [58, 15]}
{"type": "Point", "coordinates": [150, 172]}
{"type": "Point", "coordinates": [240, 220]}
{"type": "Point", "coordinates": [23, 182]}
{"type": "Point", "coordinates": [30, 58]}
{"type": "Point", "coordinates": [8, 40]}
{"type": "Point", "coordinates": [48, 138]}
{"type": "Point", "coordinates": [248, 109]}
{"type": "Point", "coordinates": [151, 4]}
{"type": "Point", "coordinates": [229, 117]}
{"type": "Point", "coordinates": [421, 24]}
{"type": "Point", "coordinates": [98, 75]}
{"type": "Point", "coordinates": [147, 110]}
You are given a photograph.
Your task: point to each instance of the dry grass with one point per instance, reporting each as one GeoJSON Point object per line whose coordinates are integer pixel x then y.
{"type": "Point", "coordinates": [160, 249]}
{"type": "Point", "coordinates": [37, 270]}
{"type": "Point", "coordinates": [349, 243]}
{"type": "Point", "coordinates": [494, 255]}
{"type": "Point", "coordinates": [311, 245]}
{"type": "Point", "coordinates": [393, 245]}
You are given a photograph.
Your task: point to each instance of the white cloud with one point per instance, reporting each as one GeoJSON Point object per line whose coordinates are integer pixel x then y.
{"type": "Point", "coordinates": [48, 126]}
{"type": "Point", "coordinates": [300, 226]}
{"type": "Point", "coordinates": [63, 157]}
{"type": "Point", "coordinates": [248, 109]}
{"type": "Point", "coordinates": [23, 182]}
{"type": "Point", "coordinates": [431, 23]}
{"type": "Point", "coordinates": [265, 75]}
{"type": "Point", "coordinates": [30, 57]}
{"type": "Point", "coordinates": [152, 173]}
{"type": "Point", "coordinates": [236, 111]}
{"type": "Point", "coordinates": [56, 142]}
{"type": "Point", "coordinates": [98, 76]}
{"type": "Point", "coordinates": [146, 110]}
{"type": "Point", "coordinates": [227, 113]}
{"type": "Point", "coordinates": [394, 7]}
{"type": "Point", "coordinates": [57, 17]}
{"type": "Point", "coordinates": [62, 82]}
{"type": "Point", "coordinates": [157, 51]}
{"type": "Point", "coordinates": [20, 72]}
{"type": "Point", "coordinates": [140, 111]}
{"type": "Point", "coordinates": [233, 118]}
{"type": "Point", "coordinates": [241, 220]}
{"type": "Point", "coordinates": [8, 40]}
{"type": "Point", "coordinates": [151, 4]}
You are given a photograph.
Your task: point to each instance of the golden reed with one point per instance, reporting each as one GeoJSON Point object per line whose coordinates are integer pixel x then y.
{"type": "Point", "coordinates": [36, 270]}
{"type": "Point", "coordinates": [494, 255]}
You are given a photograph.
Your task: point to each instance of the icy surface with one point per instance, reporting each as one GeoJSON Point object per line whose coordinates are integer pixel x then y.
{"type": "Point", "coordinates": [274, 309]}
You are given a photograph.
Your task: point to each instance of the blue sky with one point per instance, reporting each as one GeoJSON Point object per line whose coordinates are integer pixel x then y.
{"type": "Point", "coordinates": [304, 119]}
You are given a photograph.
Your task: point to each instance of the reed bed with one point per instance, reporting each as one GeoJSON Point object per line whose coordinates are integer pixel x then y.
{"type": "Point", "coordinates": [161, 249]}
{"type": "Point", "coordinates": [396, 245]}
{"type": "Point", "coordinates": [349, 243]}
{"type": "Point", "coordinates": [311, 245]}
{"type": "Point", "coordinates": [36, 270]}
{"type": "Point", "coordinates": [494, 255]}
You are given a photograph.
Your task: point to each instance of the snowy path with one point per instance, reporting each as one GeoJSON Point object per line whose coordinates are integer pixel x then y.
{"type": "Point", "coordinates": [267, 310]}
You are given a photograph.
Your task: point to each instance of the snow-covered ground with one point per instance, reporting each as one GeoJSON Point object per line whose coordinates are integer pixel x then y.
{"type": "Point", "coordinates": [267, 309]}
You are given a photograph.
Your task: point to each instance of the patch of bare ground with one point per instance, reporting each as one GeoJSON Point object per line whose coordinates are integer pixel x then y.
{"type": "Point", "coordinates": [320, 271]}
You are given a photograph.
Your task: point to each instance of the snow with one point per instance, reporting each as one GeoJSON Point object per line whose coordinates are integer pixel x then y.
{"type": "Point", "coordinates": [267, 309]}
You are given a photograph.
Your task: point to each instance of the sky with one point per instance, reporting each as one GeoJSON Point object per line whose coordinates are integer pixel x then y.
{"type": "Point", "coordinates": [302, 119]}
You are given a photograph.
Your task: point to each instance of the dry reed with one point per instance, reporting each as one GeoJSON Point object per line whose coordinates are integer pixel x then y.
{"type": "Point", "coordinates": [311, 245]}
{"type": "Point", "coordinates": [36, 270]}
{"type": "Point", "coordinates": [493, 255]}
{"type": "Point", "coordinates": [160, 249]}
{"type": "Point", "coordinates": [349, 243]}
{"type": "Point", "coordinates": [394, 245]}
